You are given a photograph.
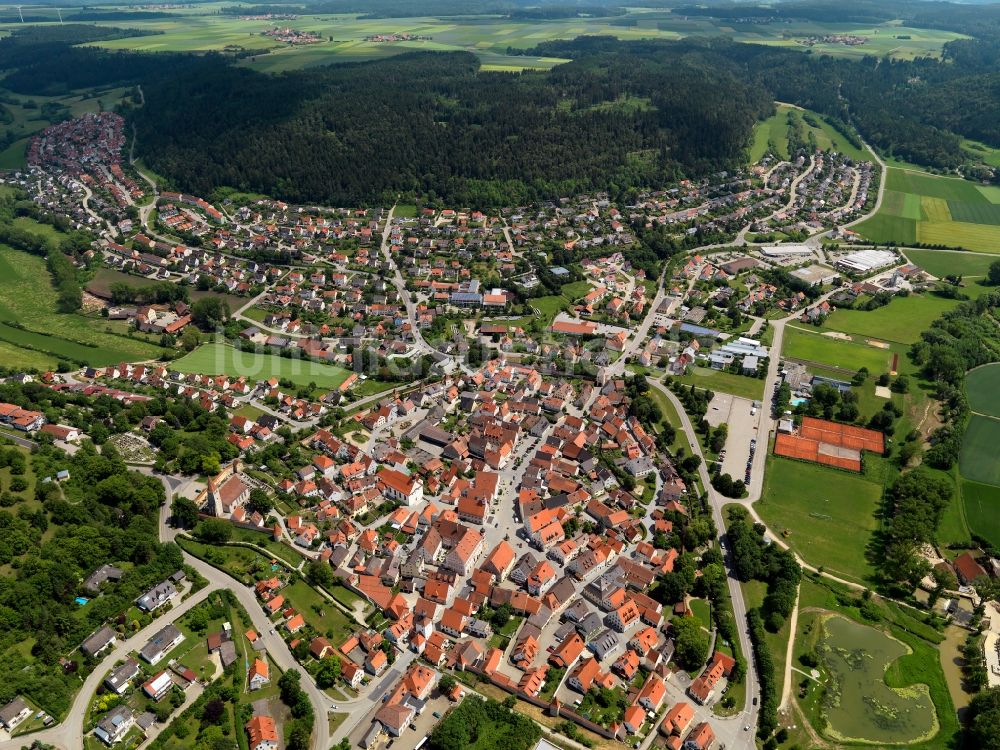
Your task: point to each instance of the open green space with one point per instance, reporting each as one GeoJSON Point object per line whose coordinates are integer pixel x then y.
{"type": "Point", "coordinates": [322, 615]}
{"type": "Point", "coordinates": [977, 459]}
{"type": "Point", "coordinates": [826, 515]}
{"type": "Point", "coordinates": [849, 356]}
{"type": "Point", "coordinates": [901, 320]}
{"type": "Point", "coordinates": [859, 705]}
{"type": "Point", "coordinates": [982, 387]}
{"type": "Point", "coordinates": [982, 510]}
{"type": "Point", "coordinates": [576, 289]}
{"type": "Point", "coordinates": [222, 359]}
{"type": "Point", "coordinates": [933, 210]}
{"type": "Point", "coordinates": [774, 130]}
{"type": "Point", "coordinates": [972, 267]}
{"type": "Point", "coordinates": [726, 382]}
{"type": "Point", "coordinates": [27, 298]}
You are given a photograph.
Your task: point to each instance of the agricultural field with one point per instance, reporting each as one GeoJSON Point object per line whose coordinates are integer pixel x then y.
{"type": "Point", "coordinates": [830, 516]}
{"type": "Point", "coordinates": [201, 28]}
{"type": "Point", "coordinates": [982, 509]}
{"type": "Point", "coordinates": [932, 210]}
{"type": "Point", "coordinates": [826, 351]}
{"type": "Point", "coordinates": [27, 298]}
{"type": "Point", "coordinates": [977, 460]}
{"type": "Point", "coordinates": [775, 129]}
{"type": "Point", "coordinates": [982, 386]}
{"type": "Point", "coordinates": [901, 320]}
{"type": "Point", "coordinates": [726, 382]}
{"type": "Point", "coordinates": [222, 359]}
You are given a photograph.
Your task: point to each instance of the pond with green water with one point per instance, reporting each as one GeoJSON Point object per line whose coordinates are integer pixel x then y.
{"type": "Point", "coordinates": [858, 705]}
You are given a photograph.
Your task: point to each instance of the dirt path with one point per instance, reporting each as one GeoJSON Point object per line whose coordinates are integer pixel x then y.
{"type": "Point", "coordinates": [786, 689]}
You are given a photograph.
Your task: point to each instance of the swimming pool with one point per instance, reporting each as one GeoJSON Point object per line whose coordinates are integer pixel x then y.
{"type": "Point", "coordinates": [798, 401]}
{"type": "Point", "coordinates": [81, 600]}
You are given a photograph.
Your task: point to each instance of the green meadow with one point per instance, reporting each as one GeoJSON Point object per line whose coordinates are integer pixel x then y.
{"type": "Point", "coordinates": [42, 334]}
{"type": "Point", "coordinates": [901, 320]}
{"type": "Point", "coordinates": [222, 359]}
{"type": "Point", "coordinates": [775, 130]}
{"type": "Point", "coordinates": [922, 208]}
{"type": "Point", "coordinates": [827, 515]}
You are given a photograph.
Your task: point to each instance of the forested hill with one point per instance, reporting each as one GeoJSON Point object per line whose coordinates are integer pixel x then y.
{"type": "Point", "coordinates": [435, 124]}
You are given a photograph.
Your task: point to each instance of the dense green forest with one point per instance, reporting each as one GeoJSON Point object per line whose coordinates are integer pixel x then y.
{"type": "Point", "coordinates": [434, 124]}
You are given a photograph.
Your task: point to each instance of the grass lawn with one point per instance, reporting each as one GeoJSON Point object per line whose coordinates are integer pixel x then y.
{"type": "Point", "coordinates": [216, 359]}
{"type": "Point", "coordinates": [829, 515]}
{"type": "Point", "coordinates": [815, 348]}
{"type": "Point", "coordinates": [239, 562]}
{"type": "Point", "coordinates": [550, 306]}
{"type": "Point", "coordinates": [27, 297]}
{"type": "Point", "coordinates": [318, 612]}
{"type": "Point", "coordinates": [264, 539]}
{"type": "Point", "coordinates": [702, 611]}
{"type": "Point", "coordinates": [982, 386]}
{"type": "Point", "coordinates": [982, 509]}
{"type": "Point", "coordinates": [576, 290]}
{"type": "Point", "coordinates": [977, 459]}
{"type": "Point", "coordinates": [249, 411]}
{"type": "Point", "coordinates": [901, 320]}
{"type": "Point", "coordinates": [726, 382]}
{"type": "Point", "coordinates": [404, 211]}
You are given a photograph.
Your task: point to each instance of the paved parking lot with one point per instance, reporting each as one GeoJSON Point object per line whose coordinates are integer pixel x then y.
{"type": "Point", "coordinates": [735, 412]}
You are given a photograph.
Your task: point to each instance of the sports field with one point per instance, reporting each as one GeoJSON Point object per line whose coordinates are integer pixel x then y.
{"type": "Point", "coordinates": [222, 359]}
{"type": "Point", "coordinates": [810, 347]}
{"type": "Point", "coordinates": [775, 130]}
{"type": "Point", "coordinates": [901, 320]}
{"type": "Point", "coordinates": [829, 515]}
{"type": "Point", "coordinates": [977, 460]}
{"type": "Point", "coordinates": [982, 386]}
{"type": "Point", "coordinates": [932, 210]}
{"type": "Point", "coordinates": [982, 509]}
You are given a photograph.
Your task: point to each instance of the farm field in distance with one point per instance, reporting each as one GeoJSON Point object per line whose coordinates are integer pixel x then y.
{"type": "Point", "coordinates": [343, 37]}
{"type": "Point", "coordinates": [932, 210]}
{"type": "Point", "coordinates": [831, 526]}
{"type": "Point", "coordinates": [221, 359]}
{"type": "Point", "coordinates": [982, 386]}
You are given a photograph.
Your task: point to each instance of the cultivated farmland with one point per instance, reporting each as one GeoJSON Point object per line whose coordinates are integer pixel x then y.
{"type": "Point", "coordinates": [982, 386]}
{"type": "Point", "coordinates": [982, 509]}
{"type": "Point", "coordinates": [924, 208]}
{"type": "Point", "coordinates": [977, 460]}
